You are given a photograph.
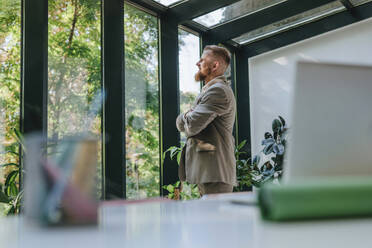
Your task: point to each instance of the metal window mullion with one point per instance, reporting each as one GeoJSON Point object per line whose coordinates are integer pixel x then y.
{"type": "Point", "coordinates": [169, 98]}
{"type": "Point", "coordinates": [233, 87]}
{"type": "Point", "coordinates": [34, 67]}
{"type": "Point", "coordinates": [242, 97]}
{"type": "Point", "coordinates": [205, 41]}
{"type": "Point", "coordinates": [113, 128]}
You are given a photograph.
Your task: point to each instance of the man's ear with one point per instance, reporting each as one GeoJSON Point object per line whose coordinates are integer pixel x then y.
{"type": "Point", "coordinates": [216, 65]}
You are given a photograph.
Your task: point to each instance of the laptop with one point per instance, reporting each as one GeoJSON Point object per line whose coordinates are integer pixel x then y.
{"type": "Point", "coordinates": [331, 125]}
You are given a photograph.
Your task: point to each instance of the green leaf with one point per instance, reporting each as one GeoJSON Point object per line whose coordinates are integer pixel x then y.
{"type": "Point", "coordinates": [11, 152]}
{"type": "Point", "coordinates": [12, 190]}
{"type": "Point", "coordinates": [9, 164]}
{"type": "Point", "coordinates": [282, 120]}
{"type": "Point", "coordinates": [10, 179]}
{"type": "Point", "coordinates": [173, 152]}
{"type": "Point", "coordinates": [276, 125]}
{"type": "Point", "coordinates": [179, 158]}
{"type": "Point", "coordinates": [19, 137]}
{"type": "Point", "coordinates": [170, 188]}
{"type": "Point", "coordinates": [256, 160]}
{"type": "Point", "coordinates": [242, 144]}
{"type": "Point", "coordinates": [268, 149]}
{"type": "Point", "coordinates": [170, 149]}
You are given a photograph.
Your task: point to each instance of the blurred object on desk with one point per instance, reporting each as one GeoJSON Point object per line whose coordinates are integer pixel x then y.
{"type": "Point", "coordinates": [334, 197]}
{"type": "Point", "coordinates": [59, 180]}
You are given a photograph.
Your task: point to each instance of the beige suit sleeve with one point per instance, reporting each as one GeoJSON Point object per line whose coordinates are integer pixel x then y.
{"type": "Point", "coordinates": [180, 123]}
{"type": "Point", "coordinates": [214, 103]}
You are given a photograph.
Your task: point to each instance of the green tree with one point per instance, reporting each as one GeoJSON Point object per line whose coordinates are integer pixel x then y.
{"type": "Point", "coordinates": [74, 67]}
{"type": "Point", "coordinates": [141, 103]}
{"type": "Point", "coordinates": [10, 39]}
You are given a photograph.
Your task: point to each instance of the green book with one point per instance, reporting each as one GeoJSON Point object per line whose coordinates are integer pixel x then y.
{"type": "Point", "coordinates": [316, 199]}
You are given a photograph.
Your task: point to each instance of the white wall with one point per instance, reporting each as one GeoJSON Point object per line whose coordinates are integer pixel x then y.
{"type": "Point", "coordinates": [271, 74]}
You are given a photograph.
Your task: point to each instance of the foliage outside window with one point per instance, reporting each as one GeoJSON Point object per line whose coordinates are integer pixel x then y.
{"type": "Point", "coordinates": [74, 69]}
{"type": "Point", "coordinates": [141, 103]}
{"type": "Point", "coordinates": [189, 54]}
{"type": "Point", "coordinates": [10, 53]}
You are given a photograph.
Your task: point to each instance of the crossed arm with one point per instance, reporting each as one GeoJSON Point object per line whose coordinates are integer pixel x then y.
{"type": "Point", "coordinates": [214, 103]}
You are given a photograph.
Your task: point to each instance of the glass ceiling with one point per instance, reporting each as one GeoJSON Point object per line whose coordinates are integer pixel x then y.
{"type": "Point", "coordinates": [291, 22]}
{"type": "Point", "coordinates": [168, 2]}
{"type": "Point", "coordinates": [234, 11]}
{"type": "Point", "coordinates": [243, 8]}
{"type": "Point", "coordinates": [359, 2]}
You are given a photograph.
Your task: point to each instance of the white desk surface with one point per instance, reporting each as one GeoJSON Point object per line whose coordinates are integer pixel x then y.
{"type": "Point", "coordinates": [211, 223]}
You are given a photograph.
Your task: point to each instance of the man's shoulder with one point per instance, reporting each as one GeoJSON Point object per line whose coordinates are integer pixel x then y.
{"type": "Point", "coordinates": [216, 88]}
{"type": "Point", "coordinates": [220, 86]}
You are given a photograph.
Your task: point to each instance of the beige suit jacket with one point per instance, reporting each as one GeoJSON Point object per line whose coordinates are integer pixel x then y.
{"type": "Point", "coordinates": [209, 152]}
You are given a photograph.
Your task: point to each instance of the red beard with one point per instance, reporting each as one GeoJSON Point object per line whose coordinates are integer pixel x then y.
{"type": "Point", "coordinates": [199, 76]}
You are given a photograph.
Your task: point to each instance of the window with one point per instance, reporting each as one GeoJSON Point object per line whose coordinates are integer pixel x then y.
{"type": "Point", "coordinates": [359, 2]}
{"type": "Point", "coordinates": [141, 103]}
{"type": "Point", "coordinates": [168, 2]}
{"type": "Point", "coordinates": [189, 55]}
{"type": "Point", "coordinates": [10, 68]}
{"type": "Point", "coordinates": [234, 11]}
{"type": "Point", "coordinates": [74, 70]}
{"type": "Point", "coordinates": [291, 22]}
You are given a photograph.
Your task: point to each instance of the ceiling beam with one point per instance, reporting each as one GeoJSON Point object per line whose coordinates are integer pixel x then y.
{"type": "Point", "coordinates": [350, 7]}
{"type": "Point", "coordinates": [195, 26]}
{"type": "Point", "coordinates": [262, 18]}
{"type": "Point", "coordinates": [191, 9]}
{"type": "Point", "coordinates": [347, 4]}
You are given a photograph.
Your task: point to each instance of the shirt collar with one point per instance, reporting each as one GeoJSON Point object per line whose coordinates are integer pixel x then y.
{"type": "Point", "coordinates": [213, 81]}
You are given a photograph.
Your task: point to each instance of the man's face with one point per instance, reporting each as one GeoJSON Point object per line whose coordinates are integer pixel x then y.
{"type": "Point", "coordinates": [204, 65]}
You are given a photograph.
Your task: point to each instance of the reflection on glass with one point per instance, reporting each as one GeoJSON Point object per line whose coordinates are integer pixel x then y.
{"type": "Point", "coordinates": [10, 54]}
{"type": "Point", "coordinates": [168, 2]}
{"type": "Point", "coordinates": [233, 11]}
{"type": "Point", "coordinates": [291, 22]}
{"type": "Point", "coordinates": [74, 70]}
{"type": "Point", "coordinates": [359, 2]}
{"type": "Point", "coordinates": [189, 55]}
{"type": "Point", "coordinates": [141, 103]}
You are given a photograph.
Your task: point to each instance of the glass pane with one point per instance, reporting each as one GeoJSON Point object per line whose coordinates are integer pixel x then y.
{"type": "Point", "coordinates": [291, 22]}
{"type": "Point", "coordinates": [167, 2]}
{"type": "Point", "coordinates": [141, 103]}
{"type": "Point", "coordinates": [359, 2]}
{"type": "Point", "coordinates": [189, 55]}
{"type": "Point", "coordinates": [10, 60]}
{"type": "Point", "coordinates": [74, 71]}
{"type": "Point", "coordinates": [233, 11]}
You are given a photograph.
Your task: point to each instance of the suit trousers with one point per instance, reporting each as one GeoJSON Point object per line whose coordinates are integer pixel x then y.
{"type": "Point", "coordinates": [214, 188]}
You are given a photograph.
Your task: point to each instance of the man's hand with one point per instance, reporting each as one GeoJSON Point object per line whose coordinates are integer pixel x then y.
{"type": "Point", "coordinates": [180, 121]}
{"type": "Point", "coordinates": [212, 104]}
{"type": "Point", "coordinates": [188, 111]}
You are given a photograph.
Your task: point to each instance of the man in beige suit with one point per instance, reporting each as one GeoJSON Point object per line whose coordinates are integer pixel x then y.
{"type": "Point", "coordinates": [208, 157]}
